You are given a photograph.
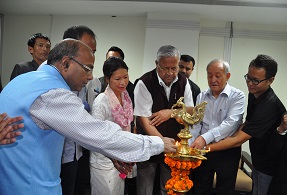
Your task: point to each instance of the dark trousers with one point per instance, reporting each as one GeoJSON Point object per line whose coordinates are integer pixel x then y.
{"type": "Point", "coordinates": [68, 177]}
{"type": "Point", "coordinates": [225, 165]}
{"type": "Point", "coordinates": [131, 186]}
{"type": "Point", "coordinates": [83, 186]}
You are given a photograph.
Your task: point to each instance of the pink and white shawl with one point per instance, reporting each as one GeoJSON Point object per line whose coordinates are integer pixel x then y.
{"type": "Point", "coordinates": [122, 115]}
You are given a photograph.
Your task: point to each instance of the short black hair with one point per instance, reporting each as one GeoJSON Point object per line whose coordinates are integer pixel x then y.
{"type": "Point", "coordinates": [32, 40]}
{"type": "Point", "coordinates": [117, 49]}
{"type": "Point", "coordinates": [112, 64]}
{"type": "Point", "coordinates": [77, 31]}
{"type": "Point", "coordinates": [266, 62]}
{"type": "Point", "coordinates": [187, 58]}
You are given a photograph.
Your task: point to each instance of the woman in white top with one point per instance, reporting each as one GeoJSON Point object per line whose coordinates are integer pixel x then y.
{"type": "Point", "coordinates": [114, 104]}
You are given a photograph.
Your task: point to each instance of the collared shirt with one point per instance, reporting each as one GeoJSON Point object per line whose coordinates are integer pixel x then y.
{"type": "Point", "coordinates": [264, 115]}
{"type": "Point", "coordinates": [143, 98]}
{"type": "Point", "coordinates": [223, 115]}
{"type": "Point", "coordinates": [63, 111]}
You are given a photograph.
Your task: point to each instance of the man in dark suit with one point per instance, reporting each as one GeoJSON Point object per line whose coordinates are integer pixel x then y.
{"type": "Point", "coordinates": [39, 46]}
{"type": "Point", "coordinates": [186, 66]}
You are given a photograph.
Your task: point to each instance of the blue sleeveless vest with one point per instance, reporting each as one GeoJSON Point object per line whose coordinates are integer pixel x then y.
{"type": "Point", "coordinates": [32, 164]}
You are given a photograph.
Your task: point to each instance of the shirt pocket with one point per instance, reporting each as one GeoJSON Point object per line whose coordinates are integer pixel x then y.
{"type": "Point", "coordinates": [222, 114]}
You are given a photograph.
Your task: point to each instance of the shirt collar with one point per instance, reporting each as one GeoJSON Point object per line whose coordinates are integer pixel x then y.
{"type": "Point", "coordinates": [226, 90]}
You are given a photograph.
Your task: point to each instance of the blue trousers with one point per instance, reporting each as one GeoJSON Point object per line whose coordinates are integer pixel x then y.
{"type": "Point", "coordinates": [261, 182]}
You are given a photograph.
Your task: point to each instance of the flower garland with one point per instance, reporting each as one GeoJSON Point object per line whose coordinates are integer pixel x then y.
{"type": "Point", "coordinates": [179, 175]}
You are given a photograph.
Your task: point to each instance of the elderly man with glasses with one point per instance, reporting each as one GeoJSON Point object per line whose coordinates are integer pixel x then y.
{"type": "Point", "coordinates": [155, 93]}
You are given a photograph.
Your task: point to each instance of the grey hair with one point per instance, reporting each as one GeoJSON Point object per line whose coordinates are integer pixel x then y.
{"type": "Point", "coordinates": [167, 51]}
{"type": "Point", "coordinates": [224, 63]}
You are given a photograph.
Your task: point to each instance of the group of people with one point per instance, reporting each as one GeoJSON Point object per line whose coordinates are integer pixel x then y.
{"type": "Point", "coordinates": [81, 129]}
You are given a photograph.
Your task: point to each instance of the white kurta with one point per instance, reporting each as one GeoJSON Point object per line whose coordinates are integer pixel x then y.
{"type": "Point", "coordinates": [105, 178]}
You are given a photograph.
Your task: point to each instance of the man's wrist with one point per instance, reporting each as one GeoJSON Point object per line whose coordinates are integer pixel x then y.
{"type": "Point", "coordinates": [284, 132]}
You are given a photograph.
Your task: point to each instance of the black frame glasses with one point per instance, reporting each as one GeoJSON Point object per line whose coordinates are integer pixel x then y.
{"type": "Point", "coordinates": [85, 67]}
{"type": "Point", "coordinates": [254, 81]}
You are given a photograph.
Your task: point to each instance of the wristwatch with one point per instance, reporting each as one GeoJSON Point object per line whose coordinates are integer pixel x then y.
{"type": "Point", "coordinates": [281, 133]}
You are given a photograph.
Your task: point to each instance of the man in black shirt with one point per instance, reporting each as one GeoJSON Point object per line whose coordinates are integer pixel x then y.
{"type": "Point", "coordinates": [278, 185]}
{"type": "Point", "coordinates": [39, 46]}
{"type": "Point", "coordinates": [264, 114]}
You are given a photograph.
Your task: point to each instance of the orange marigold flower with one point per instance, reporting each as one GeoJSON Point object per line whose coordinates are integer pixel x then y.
{"type": "Point", "coordinates": [198, 163]}
{"type": "Point", "coordinates": [189, 183]}
{"type": "Point", "coordinates": [183, 165]}
{"type": "Point", "coordinates": [178, 164]}
{"type": "Point", "coordinates": [172, 164]}
{"type": "Point", "coordinates": [179, 175]}
{"type": "Point", "coordinates": [188, 165]}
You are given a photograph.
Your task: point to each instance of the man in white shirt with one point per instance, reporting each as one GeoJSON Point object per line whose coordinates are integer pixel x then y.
{"type": "Point", "coordinates": [155, 93]}
{"type": "Point", "coordinates": [223, 116]}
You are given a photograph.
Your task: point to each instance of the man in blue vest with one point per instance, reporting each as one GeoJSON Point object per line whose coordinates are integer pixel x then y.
{"type": "Point", "coordinates": [51, 111]}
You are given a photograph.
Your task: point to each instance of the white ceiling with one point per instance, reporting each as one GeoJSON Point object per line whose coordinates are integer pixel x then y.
{"type": "Point", "coordinates": [246, 11]}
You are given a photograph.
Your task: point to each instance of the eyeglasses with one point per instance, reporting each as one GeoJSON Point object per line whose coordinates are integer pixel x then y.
{"type": "Point", "coordinates": [166, 69]}
{"type": "Point", "coordinates": [85, 67]}
{"type": "Point", "coordinates": [254, 81]}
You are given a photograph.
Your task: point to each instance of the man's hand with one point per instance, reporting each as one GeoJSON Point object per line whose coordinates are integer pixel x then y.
{"type": "Point", "coordinates": [7, 133]}
{"type": "Point", "coordinates": [284, 121]}
{"type": "Point", "coordinates": [123, 167]}
{"type": "Point", "coordinates": [283, 126]}
{"type": "Point", "coordinates": [199, 143]}
{"type": "Point", "coordinates": [169, 145]}
{"type": "Point", "coordinates": [159, 117]}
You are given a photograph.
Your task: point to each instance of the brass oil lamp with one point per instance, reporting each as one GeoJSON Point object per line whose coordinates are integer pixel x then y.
{"type": "Point", "coordinates": [184, 154]}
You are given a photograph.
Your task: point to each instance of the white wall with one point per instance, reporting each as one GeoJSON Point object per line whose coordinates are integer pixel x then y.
{"type": "Point", "coordinates": [127, 33]}
{"type": "Point", "coordinates": [179, 30]}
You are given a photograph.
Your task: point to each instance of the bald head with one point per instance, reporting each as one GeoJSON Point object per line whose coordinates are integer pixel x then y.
{"type": "Point", "coordinates": [67, 47]}
{"type": "Point", "coordinates": [75, 61]}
